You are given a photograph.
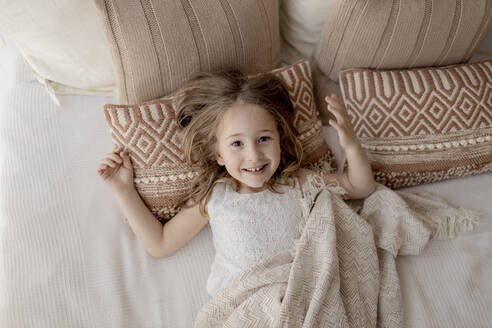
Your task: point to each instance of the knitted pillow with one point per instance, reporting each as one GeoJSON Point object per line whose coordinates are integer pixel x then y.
{"type": "Point", "coordinates": [422, 125]}
{"type": "Point", "coordinates": [158, 45]}
{"type": "Point", "coordinates": [150, 134]}
{"type": "Point", "coordinates": [395, 34]}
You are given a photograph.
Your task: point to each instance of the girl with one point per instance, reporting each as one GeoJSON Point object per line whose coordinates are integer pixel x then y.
{"type": "Point", "coordinates": [238, 130]}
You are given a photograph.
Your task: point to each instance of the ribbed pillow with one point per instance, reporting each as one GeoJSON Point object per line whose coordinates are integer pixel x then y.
{"type": "Point", "coordinates": [160, 44]}
{"type": "Point", "coordinates": [395, 34]}
{"type": "Point", "coordinates": [422, 125]}
{"type": "Point", "coordinates": [150, 134]}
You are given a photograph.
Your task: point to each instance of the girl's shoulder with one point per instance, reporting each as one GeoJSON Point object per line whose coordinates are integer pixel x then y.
{"type": "Point", "coordinates": [219, 190]}
{"type": "Point", "coordinates": [217, 197]}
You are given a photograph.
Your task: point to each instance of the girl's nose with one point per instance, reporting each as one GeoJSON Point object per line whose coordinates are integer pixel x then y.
{"type": "Point", "coordinates": [254, 153]}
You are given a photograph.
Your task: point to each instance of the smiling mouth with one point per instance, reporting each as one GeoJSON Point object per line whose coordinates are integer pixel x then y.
{"type": "Point", "coordinates": [259, 169]}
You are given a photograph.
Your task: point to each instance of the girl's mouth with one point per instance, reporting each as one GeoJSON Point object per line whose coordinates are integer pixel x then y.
{"type": "Point", "coordinates": [256, 170]}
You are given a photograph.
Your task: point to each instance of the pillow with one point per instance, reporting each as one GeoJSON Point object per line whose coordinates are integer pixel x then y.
{"type": "Point", "coordinates": [150, 134]}
{"type": "Point", "coordinates": [62, 42]}
{"type": "Point", "coordinates": [158, 45]}
{"type": "Point", "coordinates": [301, 22]}
{"type": "Point", "coordinates": [484, 49]}
{"type": "Point", "coordinates": [422, 125]}
{"type": "Point", "coordinates": [393, 34]}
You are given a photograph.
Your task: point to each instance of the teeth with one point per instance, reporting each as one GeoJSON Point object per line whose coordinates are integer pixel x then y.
{"type": "Point", "coordinates": [254, 169]}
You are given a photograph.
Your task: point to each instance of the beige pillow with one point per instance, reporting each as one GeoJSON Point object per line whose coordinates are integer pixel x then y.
{"type": "Point", "coordinates": [484, 49]}
{"type": "Point", "coordinates": [401, 34]}
{"type": "Point", "coordinates": [159, 45]}
{"type": "Point", "coordinates": [301, 22]}
{"type": "Point", "coordinates": [422, 125]}
{"type": "Point", "coordinates": [62, 42]}
{"type": "Point", "coordinates": [150, 134]}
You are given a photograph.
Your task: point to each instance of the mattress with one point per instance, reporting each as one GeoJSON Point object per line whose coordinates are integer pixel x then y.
{"type": "Point", "coordinates": [68, 258]}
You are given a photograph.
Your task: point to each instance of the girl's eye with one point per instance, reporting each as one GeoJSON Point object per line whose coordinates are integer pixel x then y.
{"type": "Point", "coordinates": [236, 144]}
{"type": "Point", "coordinates": [264, 138]}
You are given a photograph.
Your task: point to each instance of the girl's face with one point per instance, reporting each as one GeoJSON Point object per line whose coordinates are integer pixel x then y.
{"type": "Point", "coordinates": [248, 145]}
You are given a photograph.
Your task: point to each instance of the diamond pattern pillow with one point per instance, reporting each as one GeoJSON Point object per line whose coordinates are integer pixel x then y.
{"type": "Point", "coordinates": [150, 134]}
{"type": "Point", "coordinates": [422, 125]}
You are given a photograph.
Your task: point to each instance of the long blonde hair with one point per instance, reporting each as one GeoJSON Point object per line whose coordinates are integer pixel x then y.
{"type": "Point", "coordinates": [205, 99]}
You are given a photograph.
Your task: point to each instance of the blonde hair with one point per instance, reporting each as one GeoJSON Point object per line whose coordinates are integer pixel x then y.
{"type": "Point", "coordinates": [205, 99]}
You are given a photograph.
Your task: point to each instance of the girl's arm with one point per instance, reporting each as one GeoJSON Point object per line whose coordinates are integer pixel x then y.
{"type": "Point", "coordinates": [159, 241]}
{"type": "Point", "coordinates": [358, 180]}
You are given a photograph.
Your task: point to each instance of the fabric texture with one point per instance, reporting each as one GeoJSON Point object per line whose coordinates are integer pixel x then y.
{"type": "Point", "coordinates": [342, 271]}
{"type": "Point", "coordinates": [484, 49]}
{"type": "Point", "coordinates": [62, 43]}
{"type": "Point", "coordinates": [240, 240]}
{"type": "Point", "coordinates": [394, 34]}
{"type": "Point", "coordinates": [157, 45]}
{"type": "Point", "coordinates": [422, 125]}
{"type": "Point", "coordinates": [301, 22]}
{"type": "Point", "coordinates": [149, 133]}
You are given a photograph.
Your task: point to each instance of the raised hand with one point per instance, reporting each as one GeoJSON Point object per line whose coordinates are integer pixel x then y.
{"type": "Point", "coordinates": [346, 135]}
{"type": "Point", "coordinates": [116, 170]}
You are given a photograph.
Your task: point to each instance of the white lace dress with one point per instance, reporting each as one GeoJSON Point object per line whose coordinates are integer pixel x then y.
{"type": "Point", "coordinates": [248, 228]}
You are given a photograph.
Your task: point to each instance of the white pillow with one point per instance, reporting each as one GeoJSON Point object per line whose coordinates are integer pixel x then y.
{"type": "Point", "coordinates": [301, 22]}
{"type": "Point", "coordinates": [63, 41]}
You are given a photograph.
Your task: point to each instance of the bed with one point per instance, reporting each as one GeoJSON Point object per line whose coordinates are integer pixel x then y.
{"type": "Point", "coordinates": [68, 258]}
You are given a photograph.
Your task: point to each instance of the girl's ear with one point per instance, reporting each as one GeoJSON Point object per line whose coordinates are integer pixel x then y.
{"type": "Point", "coordinates": [219, 159]}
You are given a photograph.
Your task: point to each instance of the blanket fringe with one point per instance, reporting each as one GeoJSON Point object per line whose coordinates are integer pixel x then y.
{"type": "Point", "coordinates": [443, 219]}
{"type": "Point", "coordinates": [450, 226]}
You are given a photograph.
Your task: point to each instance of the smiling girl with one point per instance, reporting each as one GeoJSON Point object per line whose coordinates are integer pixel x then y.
{"type": "Point", "coordinates": [238, 130]}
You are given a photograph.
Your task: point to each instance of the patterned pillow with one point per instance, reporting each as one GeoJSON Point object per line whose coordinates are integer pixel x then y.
{"type": "Point", "coordinates": [149, 132]}
{"type": "Point", "coordinates": [391, 34]}
{"type": "Point", "coordinates": [422, 125]}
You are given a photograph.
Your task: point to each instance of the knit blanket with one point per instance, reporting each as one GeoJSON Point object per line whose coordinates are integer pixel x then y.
{"type": "Point", "coordinates": [342, 270]}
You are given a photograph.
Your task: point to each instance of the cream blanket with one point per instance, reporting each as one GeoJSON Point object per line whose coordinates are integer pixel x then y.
{"type": "Point", "coordinates": [342, 271]}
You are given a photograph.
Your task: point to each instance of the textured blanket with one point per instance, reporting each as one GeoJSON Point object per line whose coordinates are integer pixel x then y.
{"type": "Point", "coordinates": [342, 271]}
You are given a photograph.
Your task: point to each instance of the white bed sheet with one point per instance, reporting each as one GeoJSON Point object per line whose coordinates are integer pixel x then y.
{"type": "Point", "coordinates": [68, 259]}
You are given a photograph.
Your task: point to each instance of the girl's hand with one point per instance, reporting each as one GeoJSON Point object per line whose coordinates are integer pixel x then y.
{"type": "Point", "coordinates": [358, 180]}
{"type": "Point", "coordinates": [116, 170]}
{"type": "Point", "coordinates": [346, 135]}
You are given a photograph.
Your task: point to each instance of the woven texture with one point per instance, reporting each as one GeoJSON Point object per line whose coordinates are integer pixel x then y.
{"type": "Point", "coordinates": [394, 34]}
{"type": "Point", "coordinates": [158, 45]}
{"type": "Point", "coordinates": [150, 134]}
{"type": "Point", "coordinates": [423, 125]}
{"type": "Point", "coordinates": [342, 271]}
